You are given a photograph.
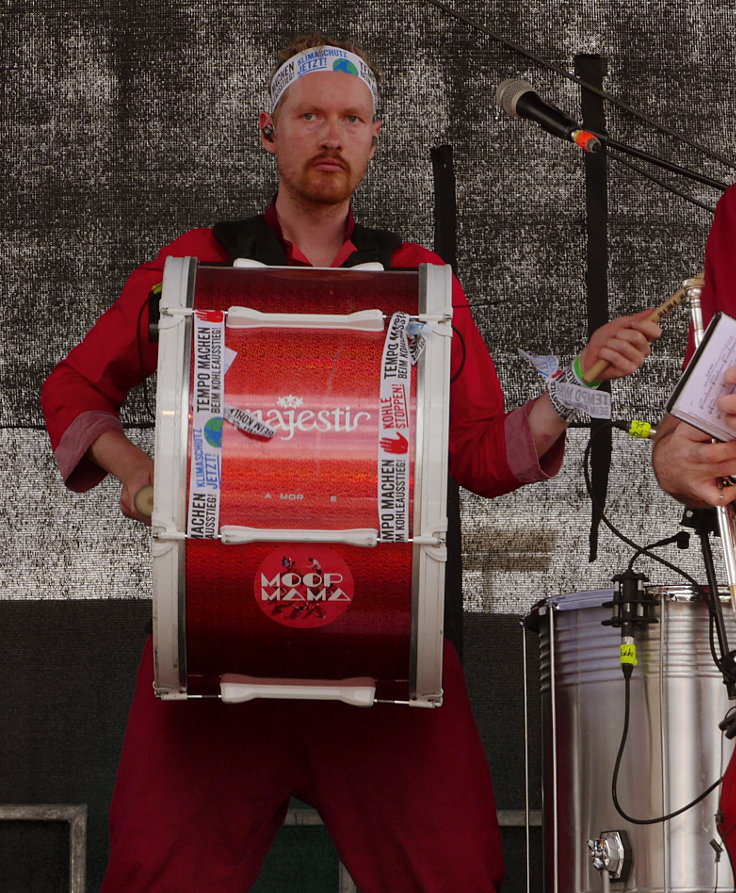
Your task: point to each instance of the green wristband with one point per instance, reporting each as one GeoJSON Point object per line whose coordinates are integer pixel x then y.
{"type": "Point", "coordinates": [578, 370]}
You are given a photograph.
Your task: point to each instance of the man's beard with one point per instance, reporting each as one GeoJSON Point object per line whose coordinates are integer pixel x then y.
{"type": "Point", "coordinates": [326, 187]}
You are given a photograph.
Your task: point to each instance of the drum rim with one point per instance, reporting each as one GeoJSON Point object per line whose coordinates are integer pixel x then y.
{"type": "Point", "coordinates": [587, 598]}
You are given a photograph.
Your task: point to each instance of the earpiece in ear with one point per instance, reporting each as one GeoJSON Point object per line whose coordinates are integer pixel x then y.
{"type": "Point", "coordinates": [267, 132]}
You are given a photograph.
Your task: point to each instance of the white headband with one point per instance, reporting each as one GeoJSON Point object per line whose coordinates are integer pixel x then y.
{"type": "Point", "coordinates": [326, 58]}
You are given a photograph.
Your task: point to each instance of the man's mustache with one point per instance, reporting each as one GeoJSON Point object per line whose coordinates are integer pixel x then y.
{"type": "Point", "coordinates": [330, 155]}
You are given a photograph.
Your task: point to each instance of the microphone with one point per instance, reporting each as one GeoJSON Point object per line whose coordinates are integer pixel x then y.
{"type": "Point", "coordinates": [632, 606]}
{"type": "Point", "coordinates": [520, 100]}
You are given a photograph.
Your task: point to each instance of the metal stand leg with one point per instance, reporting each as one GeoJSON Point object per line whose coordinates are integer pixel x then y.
{"type": "Point", "coordinates": [76, 816]}
{"type": "Point", "coordinates": [345, 882]}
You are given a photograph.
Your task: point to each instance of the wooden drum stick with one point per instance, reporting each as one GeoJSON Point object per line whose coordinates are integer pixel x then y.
{"type": "Point", "coordinates": [655, 316]}
{"type": "Point", "coordinates": [143, 501]}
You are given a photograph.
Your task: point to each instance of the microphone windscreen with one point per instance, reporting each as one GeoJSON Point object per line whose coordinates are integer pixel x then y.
{"type": "Point", "coordinates": [510, 92]}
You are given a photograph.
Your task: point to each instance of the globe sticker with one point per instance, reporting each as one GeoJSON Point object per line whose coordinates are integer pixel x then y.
{"type": "Point", "coordinates": [213, 431]}
{"type": "Point", "coordinates": [344, 65]}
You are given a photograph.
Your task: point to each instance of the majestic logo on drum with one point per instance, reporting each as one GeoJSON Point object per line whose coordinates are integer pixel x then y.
{"type": "Point", "coordinates": [289, 418]}
{"type": "Point", "coordinates": [289, 401]}
{"type": "Point", "coordinates": [303, 586]}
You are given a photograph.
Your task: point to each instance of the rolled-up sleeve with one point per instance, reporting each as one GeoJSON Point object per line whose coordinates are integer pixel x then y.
{"type": "Point", "coordinates": [492, 452]}
{"type": "Point", "coordinates": [82, 396]}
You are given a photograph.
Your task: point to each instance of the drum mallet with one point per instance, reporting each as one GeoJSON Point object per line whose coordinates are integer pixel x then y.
{"type": "Point", "coordinates": [143, 501]}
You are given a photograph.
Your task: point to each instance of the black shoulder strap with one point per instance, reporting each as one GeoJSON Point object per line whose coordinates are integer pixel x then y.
{"type": "Point", "coordinates": [372, 245]}
{"type": "Point", "coordinates": [254, 238]}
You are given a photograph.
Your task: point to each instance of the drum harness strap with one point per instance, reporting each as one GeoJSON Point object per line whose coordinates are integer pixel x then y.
{"type": "Point", "coordinates": [253, 238]}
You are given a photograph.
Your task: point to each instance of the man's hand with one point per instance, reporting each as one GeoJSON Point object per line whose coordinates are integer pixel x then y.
{"type": "Point", "coordinates": [727, 402]}
{"type": "Point", "coordinates": [689, 466]}
{"type": "Point", "coordinates": [623, 343]}
{"type": "Point", "coordinates": [130, 465]}
{"type": "Point", "coordinates": [141, 477]}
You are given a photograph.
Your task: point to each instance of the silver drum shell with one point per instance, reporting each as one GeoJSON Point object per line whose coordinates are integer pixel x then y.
{"type": "Point", "coordinates": [673, 753]}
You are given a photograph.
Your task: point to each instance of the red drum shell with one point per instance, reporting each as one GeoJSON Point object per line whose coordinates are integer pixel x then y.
{"type": "Point", "coordinates": [319, 471]}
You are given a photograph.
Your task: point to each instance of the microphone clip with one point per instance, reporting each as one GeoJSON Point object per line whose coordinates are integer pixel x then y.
{"type": "Point", "coordinates": [631, 606]}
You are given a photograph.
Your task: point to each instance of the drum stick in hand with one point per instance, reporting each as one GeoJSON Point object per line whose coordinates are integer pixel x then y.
{"type": "Point", "coordinates": [143, 501]}
{"type": "Point", "coordinates": [655, 316]}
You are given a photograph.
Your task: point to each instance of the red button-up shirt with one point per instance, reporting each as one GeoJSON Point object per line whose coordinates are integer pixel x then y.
{"type": "Point", "coordinates": [491, 452]}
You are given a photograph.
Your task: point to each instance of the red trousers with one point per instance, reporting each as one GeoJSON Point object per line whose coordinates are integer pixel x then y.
{"type": "Point", "coordinates": [203, 788]}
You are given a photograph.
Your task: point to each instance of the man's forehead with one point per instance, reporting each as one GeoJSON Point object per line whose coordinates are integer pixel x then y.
{"type": "Point", "coordinates": [329, 88]}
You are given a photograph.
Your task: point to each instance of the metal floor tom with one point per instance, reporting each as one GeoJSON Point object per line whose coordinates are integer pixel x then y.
{"type": "Point", "coordinates": [673, 753]}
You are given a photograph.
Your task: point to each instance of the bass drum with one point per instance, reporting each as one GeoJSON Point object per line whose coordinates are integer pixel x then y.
{"type": "Point", "coordinates": [300, 478]}
{"type": "Point", "coordinates": [673, 753]}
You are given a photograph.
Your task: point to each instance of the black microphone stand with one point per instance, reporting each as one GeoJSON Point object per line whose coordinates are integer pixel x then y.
{"type": "Point", "coordinates": [703, 522]}
{"type": "Point", "coordinates": [608, 141]}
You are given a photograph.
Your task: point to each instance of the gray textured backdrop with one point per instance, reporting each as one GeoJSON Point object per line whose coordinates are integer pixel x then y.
{"type": "Point", "coordinates": [126, 123]}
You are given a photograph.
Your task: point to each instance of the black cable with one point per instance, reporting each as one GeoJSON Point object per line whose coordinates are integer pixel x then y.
{"type": "Point", "coordinates": [642, 549]}
{"type": "Point", "coordinates": [730, 675]}
{"type": "Point", "coordinates": [545, 63]}
{"type": "Point", "coordinates": [617, 766]}
{"type": "Point", "coordinates": [627, 668]}
{"type": "Point", "coordinates": [644, 173]}
{"type": "Point", "coordinates": [459, 334]}
{"type": "Point", "coordinates": [676, 538]}
{"type": "Point", "coordinates": [144, 377]}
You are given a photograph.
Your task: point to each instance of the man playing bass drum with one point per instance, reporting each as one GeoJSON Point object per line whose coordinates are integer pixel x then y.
{"type": "Point", "coordinates": [203, 787]}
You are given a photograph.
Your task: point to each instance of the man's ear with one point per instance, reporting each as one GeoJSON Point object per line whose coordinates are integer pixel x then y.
{"type": "Point", "coordinates": [374, 141]}
{"type": "Point", "coordinates": [266, 127]}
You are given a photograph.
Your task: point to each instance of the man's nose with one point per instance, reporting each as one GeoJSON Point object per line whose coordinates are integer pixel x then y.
{"type": "Point", "coordinates": [331, 134]}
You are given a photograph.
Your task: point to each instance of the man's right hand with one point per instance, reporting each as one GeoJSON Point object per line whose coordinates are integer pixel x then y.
{"type": "Point", "coordinates": [140, 478]}
{"type": "Point", "coordinates": [129, 464]}
{"type": "Point", "coordinates": [690, 467]}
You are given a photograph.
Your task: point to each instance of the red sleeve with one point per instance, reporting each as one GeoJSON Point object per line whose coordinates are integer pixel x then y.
{"type": "Point", "coordinates": [82, 396]}
{"type": "Point", "coordinates": [491, 451]}
{"type": "Point", "coordinates": [719, 292]}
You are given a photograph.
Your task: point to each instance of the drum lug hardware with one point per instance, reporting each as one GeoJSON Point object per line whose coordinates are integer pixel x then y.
{"type": "Point", "coordinates": [437, 538]}
{"type": "Point", "coordinates": [611, 852]}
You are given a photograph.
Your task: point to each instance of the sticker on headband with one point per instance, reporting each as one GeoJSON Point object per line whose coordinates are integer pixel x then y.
{"type": "Point", "coordinates": [303, 585]}
{"type": "Point", "coordinates": [325, 58]}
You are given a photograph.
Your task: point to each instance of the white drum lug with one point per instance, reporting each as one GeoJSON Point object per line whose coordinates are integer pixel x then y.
{"type": "Point", "coordinates": [361, 320]}
{"type": "Point", "coordinates": [233, 535]}
{"type": "Point", "coordinates": [359, 691]}
{"type": "Point", "coordinates": [243, 263]}
{"type": "Point", "coordinates": [167, 694]}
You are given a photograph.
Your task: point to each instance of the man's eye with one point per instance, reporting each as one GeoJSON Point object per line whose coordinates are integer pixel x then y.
{"type": "Point", "coordinates": [353, 119]}
{"type": "Point", "coordinates": [308, 116]}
